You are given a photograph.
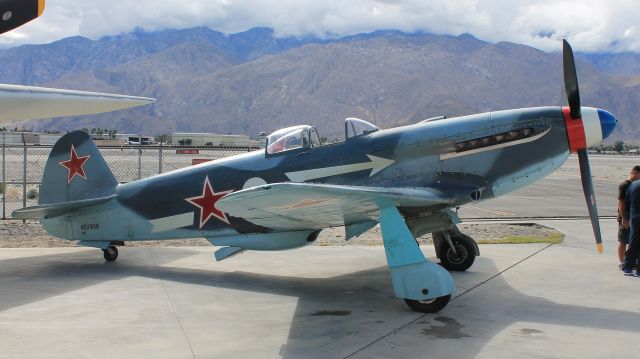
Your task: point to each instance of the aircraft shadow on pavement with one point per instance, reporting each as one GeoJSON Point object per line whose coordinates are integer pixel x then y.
{"type": "Point", "coordinates": [40, 277]}
{"type": "Point", "coordinates": [340, 314]}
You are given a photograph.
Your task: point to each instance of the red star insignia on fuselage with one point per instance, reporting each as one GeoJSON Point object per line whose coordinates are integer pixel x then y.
{"type": "Point", "coordinates": [75, 165]}
{"type": "Point", "coordinates": [207, 203]}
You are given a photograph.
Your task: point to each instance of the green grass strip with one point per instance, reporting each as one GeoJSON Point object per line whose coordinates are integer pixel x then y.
{"type": "Point", "coordinates": [553, 238]}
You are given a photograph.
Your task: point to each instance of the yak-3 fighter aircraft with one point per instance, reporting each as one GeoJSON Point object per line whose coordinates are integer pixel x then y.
{"type": "Point", "coordinates": [407, 179]}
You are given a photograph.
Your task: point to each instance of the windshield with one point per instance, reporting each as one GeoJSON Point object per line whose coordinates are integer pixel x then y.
{"type": "Point", "coordinates": [355, 127]}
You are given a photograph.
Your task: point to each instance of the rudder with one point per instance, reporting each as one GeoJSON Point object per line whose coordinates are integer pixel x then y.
{"type": "Point", "coordinates": [75, 171]}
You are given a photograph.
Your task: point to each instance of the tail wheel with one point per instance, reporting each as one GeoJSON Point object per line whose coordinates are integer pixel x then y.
{"type": "Point", "coordinates": [428, 306]}
{"type": "Point", "coordinates": [464, 256]}
{"type": "Point", "coordinates": [110, 253]}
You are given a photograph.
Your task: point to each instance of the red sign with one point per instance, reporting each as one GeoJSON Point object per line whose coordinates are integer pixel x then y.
{"type": "Point", "coordinates": [195, 161]}
{"type": "Point", "coordinates": [187, 152]}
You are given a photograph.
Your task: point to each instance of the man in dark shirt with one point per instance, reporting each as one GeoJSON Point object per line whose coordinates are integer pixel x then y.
{"type": "Point", "coordinates": [623, 223]}
{"type": "Point", "coordinates": [632, 213]}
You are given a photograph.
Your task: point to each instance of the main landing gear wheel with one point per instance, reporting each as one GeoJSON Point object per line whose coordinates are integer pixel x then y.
{"type": "Point", "coordinates": [464, 255]}
{"type": "Point", "coordinates": [428, 306]}
{"type": "Point", "coordinates": [110, 254]}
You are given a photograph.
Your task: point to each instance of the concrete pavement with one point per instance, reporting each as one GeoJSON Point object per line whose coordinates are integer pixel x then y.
{"type": "Point", "coordinates": [559, 301]}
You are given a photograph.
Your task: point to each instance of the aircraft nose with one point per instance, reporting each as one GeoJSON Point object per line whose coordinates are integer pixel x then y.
{"type": "Point", "coordinates": [607, 122]}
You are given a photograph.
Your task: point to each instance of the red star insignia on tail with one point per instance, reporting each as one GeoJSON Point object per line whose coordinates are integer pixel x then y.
{"type": "Point", "coordinates": [75, 165]}
{"type": "Point", "coordinates": [207, 203]}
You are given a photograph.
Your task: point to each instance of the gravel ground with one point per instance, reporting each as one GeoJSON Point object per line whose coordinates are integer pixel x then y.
{"type": "Point", "coordinates": [15, 234]}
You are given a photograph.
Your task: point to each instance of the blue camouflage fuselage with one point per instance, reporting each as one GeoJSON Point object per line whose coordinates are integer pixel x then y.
{"type": "Point", "coordinates": [428, 154]}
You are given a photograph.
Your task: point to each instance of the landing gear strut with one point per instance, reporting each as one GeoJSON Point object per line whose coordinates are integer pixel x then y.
{"type": "Point", "coordinates": [425, 286]}
{"type": "Point", "coordinates": [110, 253]}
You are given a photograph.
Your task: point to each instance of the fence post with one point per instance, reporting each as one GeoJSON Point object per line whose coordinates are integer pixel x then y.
{"type": "Point", "coordinates": [4, 180]}
{"type": "Point", "coordinates": [24, 174]}
{"type": "Point", "coordinates": [139, 155]}
{"type": "Point", "coordinates": [160, 158]}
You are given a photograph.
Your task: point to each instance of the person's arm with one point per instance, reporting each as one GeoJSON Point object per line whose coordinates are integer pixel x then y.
{"type": "Point", "coordinates": [627, 204]}
{"type": "Point", "coordinates": [623, 213]}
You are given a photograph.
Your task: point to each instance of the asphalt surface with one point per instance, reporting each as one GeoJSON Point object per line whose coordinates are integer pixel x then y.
{"type": "Point", "coordinates": [531, 301]}
{"type": "Point", "coordinates": [560, 194]}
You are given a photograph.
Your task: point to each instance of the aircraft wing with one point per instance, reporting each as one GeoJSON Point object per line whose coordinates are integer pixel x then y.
{"type": "Point", "coordinates": [19, 103]}
{"type": "Point", "coordinates": [296, 206]}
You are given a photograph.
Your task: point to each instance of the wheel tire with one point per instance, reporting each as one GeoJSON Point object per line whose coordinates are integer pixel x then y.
{"type": "Point", "coordinates": [466, 254]}
{"type": "Point", "coordinates": [110, 254]}
{"type": "Point", "coordinates": [428, 306]}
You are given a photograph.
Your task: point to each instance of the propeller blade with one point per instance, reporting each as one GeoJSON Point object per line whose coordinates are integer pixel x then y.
{"type": "Point", "coordinates": [590, 195]}
{"type": "Point", "coordinates": [571, 80]}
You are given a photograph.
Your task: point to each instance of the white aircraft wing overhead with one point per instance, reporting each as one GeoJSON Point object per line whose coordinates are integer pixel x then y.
{"type": "Point", "coordinates": [29, 103]}
{"type": "Point", "coordinates": [297, 206]}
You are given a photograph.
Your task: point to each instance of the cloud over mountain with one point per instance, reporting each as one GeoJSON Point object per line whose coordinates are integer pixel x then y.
{"type": "Point", "coordinates": [591, 26]}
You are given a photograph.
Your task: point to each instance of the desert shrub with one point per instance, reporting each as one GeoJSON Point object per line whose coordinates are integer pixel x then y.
{"type": "Point", "coordinates": [32, 193]}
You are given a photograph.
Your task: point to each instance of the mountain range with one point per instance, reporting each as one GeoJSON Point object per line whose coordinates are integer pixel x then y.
{"type": "Point", "coordinates": [207, 81]}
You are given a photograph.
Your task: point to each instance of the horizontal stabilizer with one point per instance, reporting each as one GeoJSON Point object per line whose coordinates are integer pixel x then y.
{"type": "Point", "coordinates": [227, 252]}
{"type": "Point", "coordinates": [53, 210]}
{"type": "Point", "coordinates": [19, 103]}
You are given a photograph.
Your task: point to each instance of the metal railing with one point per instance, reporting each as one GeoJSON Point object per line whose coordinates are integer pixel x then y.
{"type": "Point", "coordinates": [23, 166]}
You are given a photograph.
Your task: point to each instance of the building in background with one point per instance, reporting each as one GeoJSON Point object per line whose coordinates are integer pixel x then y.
{"type": "Point", "coordinates": [120, 139]}
{"type": "Point", "coordinates": [133, 139]}
{"type": "Point", "coordinates": [210, 140]}
{"type": "Point", "coordinates": [33, 138]}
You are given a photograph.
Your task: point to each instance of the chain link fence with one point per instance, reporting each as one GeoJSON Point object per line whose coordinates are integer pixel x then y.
{"type": "Point", "coordinates": [23, 165]}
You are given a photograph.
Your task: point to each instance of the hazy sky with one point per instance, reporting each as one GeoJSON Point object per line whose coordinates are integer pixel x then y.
{"type": "Point", "coordinates": [590, 25]}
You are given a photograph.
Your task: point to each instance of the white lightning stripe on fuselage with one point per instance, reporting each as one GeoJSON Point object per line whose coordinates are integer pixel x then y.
{"type": "Point", "coordinates": [376, 165]}
{"type": "Point", "coordinates": [445, 156]}
{"type": "Point", "coordinates": [171, 222]}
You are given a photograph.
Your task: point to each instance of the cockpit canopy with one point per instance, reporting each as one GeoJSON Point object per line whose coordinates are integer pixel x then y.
{"type": "Point", "coordinates": [355, 127]}
{"type": "Point", "coordinates": [291, 138]}
{"type": "Point", "coordinates": [305, 136]}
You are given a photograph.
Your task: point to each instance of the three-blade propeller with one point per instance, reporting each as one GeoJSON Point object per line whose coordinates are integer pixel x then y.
{"type": "Point", "coordinates": [573, 95]}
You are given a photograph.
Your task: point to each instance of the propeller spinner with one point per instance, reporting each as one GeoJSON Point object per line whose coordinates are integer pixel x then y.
{"type": "Point", "coordinates": [584, 131]}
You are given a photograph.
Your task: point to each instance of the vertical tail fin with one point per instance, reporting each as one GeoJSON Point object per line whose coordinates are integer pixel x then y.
{"type": "Point", "coordinates": [75, 171]}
